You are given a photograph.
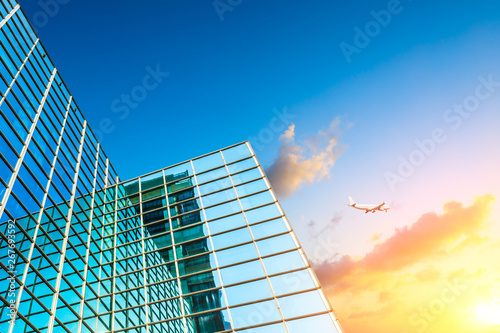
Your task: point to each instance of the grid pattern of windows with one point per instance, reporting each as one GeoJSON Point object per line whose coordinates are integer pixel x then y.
{"type": "Point", "coordinates": [201, 246]}
{"type": "Point", "coordinates": [53, 175]}
{"type": "Point", "coordinates": [204, 246]}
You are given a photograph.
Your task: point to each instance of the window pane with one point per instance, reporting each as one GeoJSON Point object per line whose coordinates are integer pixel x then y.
{"type": "Point", "coordinates": [236, 153]}
{"type": "Point", "coordinates": [248, 292]}
{"type": "Point", "coordinates": [301, 304]}
{"type": "Point", "coordinates": [283, 262]}
{"type": "Point", "coordinates": [239, 273]}
{"type": "Point", "coordinates": [208, 162]}
{"type": "Point", "coordinates": [151, 180]}
{"type": "Point", "coordinates": [255, 314]}
{"type": "Point", "coordinates": [236, 254]}
{"type": "Point", "coordinates": [204, 301]}
{"type": "Point", "coordinates": [292, 282]}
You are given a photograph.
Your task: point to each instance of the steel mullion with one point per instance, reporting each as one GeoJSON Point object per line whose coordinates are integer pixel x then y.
{"type": "Point", "coordinates": [75, 123]}
{"type": "Point", "coordinates": [23, 93]}
{"type": "Point", "coordinates": [78, 257]}
{"type": "Point", "coordinates": [61, 323]}
{"type": "Point", "coordinates": [20, 17]}
{"type": "Point", "coordinates": [23, 318]}
{"type": "Point", "coordinates": [34, 60]}
{"type": "Point", "coordinates": [28, 169]}
{"type": "Point", "coordinates": [61, 99]}
{"type": "Point", "coordinates": [213, 248]}
{"type": "Point", "coordinates": [27, 130]}
{"type": "Point", "coordinates": [51, 122]}
{"type": "Point", "coordinates": [114, 263]}
{"type": "Point", "coordinates": [26, 83]}
{"type": "Point", "coordinates": [49, 177]}
{"type": "Point", "coordinates": [143, 246]}
{"type": "Point", "coordinates": [73, 288]}
{"type": "Point", "coordinates": [177, 278]}
{"type": "Point", "coordinates": [25, 147]}
{"type": "Point", "coordinates": [84, 214]}
{"type": "Point", "coordinates": [13, 33]}
{"type": "Point", "coordinates": [7, 18]}
{"type": "Point", "coordinates": [13, 151]}
{"type": "Point", "coordinates": [19, 32]}
{"type": "Point", "coordinates": [44, 58]}
{"type": "Point", "coordinates": [44, 155]}
{"type": "Point", "coordinates": [50, 240]}
{"type": "Point", "coordinates": [188, 161]}
{"type": "Point", "coordinates": [21, 105]}
{"type": "Point", "coordinates": [67, 160]}
{"type": "Point", "coordinates": [54, 107]}
{"type": "Point", "coordinates": [18, 73]}
{"type": "Point", "coordinates": [40, 89]}
{"type": "Point", "coordinates": [26, 188]}
{"type": "Point", "coordinates": [10, 58]}
{"type": "Point", "coordinates": [5, 81]}
{"type": "Point", "coordinates": [64, 186]}
{"type": "Point", "coordinates": [313, 276]}
{"type": "Point", "coordinates": [67, 230]}
{"type": "Point", "coordinates": [31, 41]}
{"type": "Point", "coordinates": [86, 170]}
{"type": "Point", "coordinates": [101, 252]}
{"type": "Point", "coordinates": [254, 242]}
{"type": "Point", "coordinates": [40, 217]}
{"type": "Point", "coordinates": [4, 237]}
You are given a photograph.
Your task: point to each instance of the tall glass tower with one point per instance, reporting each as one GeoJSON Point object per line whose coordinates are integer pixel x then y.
{"type": "Point", "coordinates": [201, 246]}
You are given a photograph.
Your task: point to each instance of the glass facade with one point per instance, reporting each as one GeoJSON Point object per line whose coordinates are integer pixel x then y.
{"type": "Point", "coordinates": [201, 246]}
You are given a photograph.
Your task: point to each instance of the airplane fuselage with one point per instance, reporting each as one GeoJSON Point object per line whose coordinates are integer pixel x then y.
{"type": "Point", "coordinates": [368, 208]}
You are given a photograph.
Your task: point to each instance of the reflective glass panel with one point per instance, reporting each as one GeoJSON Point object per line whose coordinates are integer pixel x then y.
{"type": "Point", "coordinates": [301, 304]}
{"type": "Point", "coordinates": [255, 314]}
{"type": "Point", "coordinates": [236, 153]}
{"type": "Point", "coordinates": [248, 292]}
{"type": "Point", "coordinates": [243, 272]}
{"type": "Point", "coordinates": [208, 162]}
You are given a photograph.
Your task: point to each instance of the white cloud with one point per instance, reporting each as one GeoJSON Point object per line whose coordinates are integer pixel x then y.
{"type": "Point", "coordinates": [305, 163]}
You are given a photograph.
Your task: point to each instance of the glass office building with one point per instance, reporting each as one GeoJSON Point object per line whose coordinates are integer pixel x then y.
{"type": "Point", "coordinates": [201, 246]}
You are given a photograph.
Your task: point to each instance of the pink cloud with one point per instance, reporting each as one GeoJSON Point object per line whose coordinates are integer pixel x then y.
{"type": "Point", "coordinates": [431, 235]}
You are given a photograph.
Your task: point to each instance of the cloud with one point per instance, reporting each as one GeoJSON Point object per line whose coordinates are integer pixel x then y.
{"type": "Point", "coordinates": [385, 296]}
{"type": "Point", "coordinates": [429, 274]}
{"type": "Point", "coordinates": [305, 163]}
{"type": "Point", "coordinates": [375, 238]}
{"type": "Point", "coordinates": [430, 236]}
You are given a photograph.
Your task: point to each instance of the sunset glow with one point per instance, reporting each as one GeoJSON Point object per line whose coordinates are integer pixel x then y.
{"type": "Point", "coordinates": [489, 313]}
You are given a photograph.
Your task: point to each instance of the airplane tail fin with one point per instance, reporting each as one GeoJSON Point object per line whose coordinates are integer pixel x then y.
{"type": "Point", "coordinates": [352, 203]}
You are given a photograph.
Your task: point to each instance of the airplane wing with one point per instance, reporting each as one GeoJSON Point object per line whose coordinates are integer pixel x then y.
{"type": "Point", "coordinates": [379, 206]}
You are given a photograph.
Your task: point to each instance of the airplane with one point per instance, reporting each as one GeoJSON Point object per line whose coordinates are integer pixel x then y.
{"type": "Point", "coordinates": [368, 208]}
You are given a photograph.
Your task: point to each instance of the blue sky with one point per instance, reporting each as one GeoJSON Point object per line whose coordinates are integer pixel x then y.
{"type": "Point", "coordinates": [226, 77]}
{"type": "Point", "coordinates": [229, 79]}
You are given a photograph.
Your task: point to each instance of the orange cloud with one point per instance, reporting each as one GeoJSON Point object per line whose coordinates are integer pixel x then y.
{"type": "Point", "coordinates": [430, 273]}
{"type": "Point", "coordinates": [430, 236]}
{"type": "Point", "coordinates": [304, 164]}
{"type": "Point", "coordinates": [375, 237]}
